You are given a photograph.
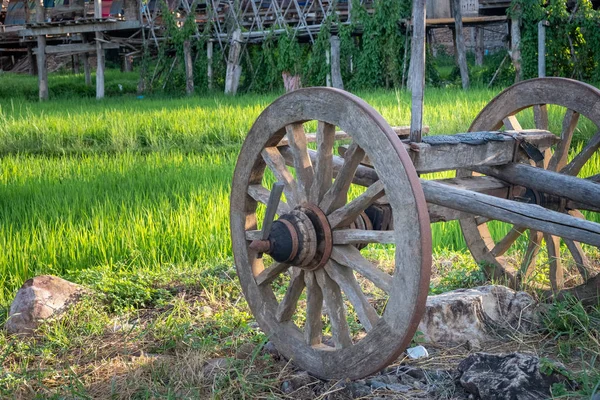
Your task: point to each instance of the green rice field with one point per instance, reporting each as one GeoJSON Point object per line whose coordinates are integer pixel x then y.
{"type": "Point", "coordinates": [130, 183]}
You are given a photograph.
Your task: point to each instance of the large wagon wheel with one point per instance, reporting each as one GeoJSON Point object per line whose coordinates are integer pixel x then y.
{"type": "Point", "coordinates": [313, 242]}
{"type": "Point", "coordinates": [576, 99]}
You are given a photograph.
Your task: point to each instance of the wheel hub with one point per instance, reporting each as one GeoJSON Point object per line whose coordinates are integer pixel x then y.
{"type": "Point", "coordinates": [301, 238]}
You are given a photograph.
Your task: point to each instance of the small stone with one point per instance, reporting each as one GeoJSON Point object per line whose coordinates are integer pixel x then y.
{"type": "Point", "coordinates": [39, 299]}
{"type": "Point", "coordinates": [596, 396]}
{"type": "Point", "coordinates": [417, 352]}
{"type": "Point", "coordinates": [270, 348]}
{"type": "Point", "coordinates": [214, 367]}
{"type": "Point", "coordinates": [244, 351]}
{"type": "Point", "coordinates": [206, 311]}
{"type": "Point", "coordinates": [399, 388]}
{"type": "Point", "coordinates": [301, 379]}
{"type": "Point", "coordinates": [473, 345]}
{"type": "Point", "coordinates": [253, 325]}
{"type": "Point", "coordinates": [375, 384]}
{"type": "Point", "coordinates": [287, 387]}
{"type": "Point", "coordinates": [357, 390]}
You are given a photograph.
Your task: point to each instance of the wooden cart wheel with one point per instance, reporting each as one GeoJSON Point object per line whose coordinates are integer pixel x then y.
{"type": "Point", "coordinates": [506, 111]}
{"type": "Point", "coordinates": [312, 237]}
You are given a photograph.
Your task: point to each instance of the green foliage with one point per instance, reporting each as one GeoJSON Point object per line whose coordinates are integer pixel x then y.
{"type": "Point", "coordinates": [567, 318]}
{"type": "Point", "coordinates": [572, 39]}
{"type": "Point", "coordinates": [123, 289]}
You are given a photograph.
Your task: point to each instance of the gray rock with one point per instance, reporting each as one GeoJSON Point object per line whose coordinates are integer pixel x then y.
{"type": "Point", "coordinates": [398, 388]}
{"type": "Point", "coordinates": [287, 387]}
{"type": "Point", "coordinates": [244, 351]}
{"type": "Point", "coordinates": [514, 376]}
{"type": "Point", "coordinates": [39, 299]}
{"type": "Point", "coordinates": [376, 384]}
{"type": "Point", "coordinates": [270, 348]}
{"type": "Point", "coordinates": [206, 311]}
{"type": "Point", "coordinates": [300, 379]}
{"type": "Point", "coordinates": [472, 314]}
{"type": "Point", "coordinates": [357, 390]}
{"type": "Point", "coordinates": [215, 367]}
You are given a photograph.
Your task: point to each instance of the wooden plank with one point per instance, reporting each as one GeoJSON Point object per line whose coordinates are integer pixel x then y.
{"type": "Point", "coordinates": [402, 132]}
{"type": "Point", "coordinates": [84, 28]}
{"type": "Point", "coordinates": [302, 163]}
{"type": "Point", "coordinates": [360, 236]}
{"type": "Point", "coordinates": [76, 48]}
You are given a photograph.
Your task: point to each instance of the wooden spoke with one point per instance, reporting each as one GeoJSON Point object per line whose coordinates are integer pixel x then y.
{"type": "Point", "coordinates": [324, 162]}
{"type": "Point", "coordinates": [358, 236]}
{"type": "Point", "coordinates": [556, 270]}
{"type": "Point", "coordinates": [336, 196]}
{"type": "Point", "coordinates": [503, 245]}
{"type": "Point", "coordinates": [559, 158]}
{"type": "Point", "coordinates": [340, 331]}
{"type": "Point", "coordinates": [347, 214]}
{"type": "Point", "coordinates": [584, 155]}
{"type": "Point", "coordinates": [350, 257]}
{"type": "Point", "coordinates": [254, 235]}
{"type": "Point", "coordinates": [511, 123]}
{"type": "Point", "coordinates": [581, 260]}
{"type": "Point", "coordinates": [302, 164]}
{"type": "Point", "coordinates": [270, 274]}
{"type": "Point", "coordinates": [346, 280]}
{"type": "Point", "coordinates": [530, 256]}
{"type": "Point", "coordinates": [261, 194]}
{"type": "Point", "coordinates": [276, 163]}
{"type": "Point", "coordinates": [313, 327]}
{"type": "Point", "coordinates": [288, 305]}
{"type": "Point", "coordinates": [540, 116]}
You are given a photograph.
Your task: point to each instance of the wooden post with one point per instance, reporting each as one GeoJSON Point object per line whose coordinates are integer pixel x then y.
{"type": "Point", "coordinates": [479, 46]}
{"type": "Point", "coordinates": [41, 53]}
{"type": "Point", "coordinates": [99, 53]}
{"type": "Point", "coordinates": [461, 50]}
{"type": "Point", "coordinates": [209, 58]}
{"type": "Point", "coordinates": [31, 61]}
{"type": "Point", "coordinates": [336, 71]}
{"type": "Point", "coordinates": [328, 63]}
{"type": "Point", "coordinates": [234, 70]}
{"type": "Point", "coordinates": [127, 63]}
{"type": "Point", "coordinates": [542, 48]}
{"type": "Point", "coordinates": [189, 70]}
{"type": "Point", "coordinates": [515, 36]}
{"type": "Point", "coordinates": [416, 71]}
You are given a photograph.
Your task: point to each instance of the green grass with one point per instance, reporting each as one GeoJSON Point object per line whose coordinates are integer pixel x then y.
{"type": "Point", "coordinates": [145, 182]}
{"type": "Point", "coordinates": [130, 197]}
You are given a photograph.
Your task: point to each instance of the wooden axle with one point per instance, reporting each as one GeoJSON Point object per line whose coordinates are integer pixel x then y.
{"type": "Point", "coordinates": [583, 191]}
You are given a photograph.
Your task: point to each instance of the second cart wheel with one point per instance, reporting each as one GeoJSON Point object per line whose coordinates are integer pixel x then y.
{"type": "Point", "coordinates": [304, 300]}
{"type": "Point", "coordinates": [519, 253]}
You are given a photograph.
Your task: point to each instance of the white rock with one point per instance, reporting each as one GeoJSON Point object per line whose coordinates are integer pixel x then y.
{"type": "Point", "coordinates": [417, 352]}
{"type": "Point", "coordinates": [471, 314]}
{"type": "Point", "coordinates": [38, 299]}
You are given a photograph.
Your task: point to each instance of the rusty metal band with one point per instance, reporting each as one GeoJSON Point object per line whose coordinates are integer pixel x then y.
{"type": "Point", "coordinates": [294, 236]}
{"type": "Point", "coordinates": [327, 235]}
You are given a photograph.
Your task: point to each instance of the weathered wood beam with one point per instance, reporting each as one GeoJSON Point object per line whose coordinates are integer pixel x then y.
{"type": "Point", "coordinates": [459, 39]}
{"type": "Point", "coordinates": [336, 70]}
{"type": "Point", "coordinates": [401, 131]}
{"type": "Point", "coordinates": [79, 28]}
{"type": "Point", "coordinates": [416, 70]}
{"type": "Point", "coordinates": [520, 214]}
{"type": "Point", "coordinates": [77, 48]}
{"type": "Point", "coordinates": [580, 190]}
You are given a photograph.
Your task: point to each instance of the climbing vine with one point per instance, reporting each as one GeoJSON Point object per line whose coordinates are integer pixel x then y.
{"type": "Point", "coordinates": [572, 37]}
